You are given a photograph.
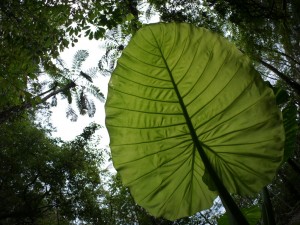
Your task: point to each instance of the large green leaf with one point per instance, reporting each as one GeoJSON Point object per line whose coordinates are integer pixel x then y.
{"type": "Point", "coordinates": [175, 88]}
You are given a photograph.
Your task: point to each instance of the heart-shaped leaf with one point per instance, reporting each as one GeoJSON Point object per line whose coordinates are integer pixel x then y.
{"type": "Point", "coordinates": [177, 90]}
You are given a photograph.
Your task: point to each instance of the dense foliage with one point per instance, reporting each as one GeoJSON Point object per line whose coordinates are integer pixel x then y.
{"type": "Point", "coordinates": [44, 180]}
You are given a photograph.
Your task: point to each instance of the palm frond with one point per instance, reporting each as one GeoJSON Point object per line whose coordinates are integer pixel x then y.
{"type": "Point", "coordinates": [66, 94]}
{"type": "Point", "coordinates": [92, 72]}
{"type": "Point", "coordinates": [102, 62]}
{"type": "Point", "coordinates": [86, 76]}
{"type": "Point", "coordinates": [54, 101]}
{"type": "Point", "coordinates": [70, 113]}
{"type": "Point", "coordinates": [95, 91]}
{"type": "Point", "coordinates": [79, 57]}
{"type": "Point", "coordinates": [60, 72]}
{"type": "Point", "coordinates": [106, 73]}
{"type": "Point", "coordinates": [112, 64]}
{"type": "Point", "coordinates": [53, 85]}
{"type": "Point", "coordinates": [81, 102]}
{"type": "Point", "coordinates": [112, 36]}
{"type": "Point", "coordinates": [108, 60]}
{"type": "Point", "coordinates": [61, 63]}
{"type": "Point", "coordinates": [91, 108]}
{"type": "Point", "coordinates": [116, 40]}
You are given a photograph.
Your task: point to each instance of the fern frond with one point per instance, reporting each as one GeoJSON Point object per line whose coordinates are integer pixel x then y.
{"type": "Point", "coordinates": [92, 72]}
{"type": "Point", "coordinates": [86, 76]}
{"type": "Point", "coordinates": [79, 57]}
{"type": "Point", "coordinates": [70, 113]}
{"type": "Point", "coordinates": [53, 85]}
{"type": "Point", "coordinates": [82, 103]}
{"type": "Point", "coordinates": [54, 101]}
{"type": "Point", "coordinates": [61, 63]}
{"type": "Point", "coordinates": [106, 73]}
{"type": "Point", "coordinates": [67, 94]}
{"type": "Point", "coordinates": [95, 91]}
{"type": "Point", "coordinates": [91, 108]}
{"type": "Point", "coordinates": [149, 12]}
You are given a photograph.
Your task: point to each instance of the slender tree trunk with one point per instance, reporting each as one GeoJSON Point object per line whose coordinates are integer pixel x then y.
{"type": "Point", "coordinates": [289, 185]}
{"type": "Point", "coordinates": [205, 218]}
{"type": "Point", "coordinates": [14, 111]}
{"type": "Point", "coordinates": [267, 208]}
{"type": "Point", "coordinates": [289, 81]}
{"type": "Point", "coordinates": [294, 165]}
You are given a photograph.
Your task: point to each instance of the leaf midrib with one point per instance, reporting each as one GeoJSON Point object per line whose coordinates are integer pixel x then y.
{"type": "Point", "coordinates": [181, 103]}
{"type": "Point", "coordinates": [193, 134]}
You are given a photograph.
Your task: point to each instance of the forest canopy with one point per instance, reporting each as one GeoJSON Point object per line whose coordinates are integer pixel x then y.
{"type": "Point", "coordinates": [46, 180]}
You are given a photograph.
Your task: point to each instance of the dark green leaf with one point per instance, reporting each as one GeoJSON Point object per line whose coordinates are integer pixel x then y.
{"type": "Point", "coordinates": [252, 214]}
{"type": "Point", "coordinates": [86, 76]}
{"type": "Point", "coordinates": [289, 114]}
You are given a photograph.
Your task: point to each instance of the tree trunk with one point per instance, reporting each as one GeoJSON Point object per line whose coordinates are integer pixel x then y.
{"type": "Point", "coordinates": [289, 81]}
{"type": "Point", "coordinates": [295, 166]}
{"type": "Point", "coordinates": [14, 111]}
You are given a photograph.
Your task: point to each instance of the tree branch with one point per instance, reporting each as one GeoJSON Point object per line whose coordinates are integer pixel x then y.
{"type": "Point", "coordinates": [206, 219]}
{"type": "Point", "coordinates": [289, 81]}
{"type": "Point", "coordinates": [67, 87]}
{"type": "Point", "coordinates": [16, 110]}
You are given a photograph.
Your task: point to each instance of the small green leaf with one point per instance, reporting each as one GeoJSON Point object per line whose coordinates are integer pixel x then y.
{"type": "Point", "coordinates": [99, 33]}
{"type": "Point", "coordinates": [91, 36]}
{"type": "Point", "coordinates": [281, 95]}
{"type": "Point", "coordinates": [289, 114]}
{"type": "Point", "coordinates": [87, 33]}
{"type": "Point", "coordinates": [76, 31]}
{"type": "Point", "coordinates": [86, 76]}
{"type": "Point", "coordinates": [129, 17]}
{"type": "Point", "coordinates": [65, 42]}
{"type": "Point", "coordinates": [69, 96]}
{"type": "Point", "coordinates": [252, 214]}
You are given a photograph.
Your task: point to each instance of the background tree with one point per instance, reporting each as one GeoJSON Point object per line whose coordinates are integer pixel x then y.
{"type": "Point", "coordinates": [47, 181]}
{"type": "Point", "coordinates": [120, 208]}
{"type": "Point", "coordinates": [33, 33]}
{"type": "Point", "coordinates": [70, 83]}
